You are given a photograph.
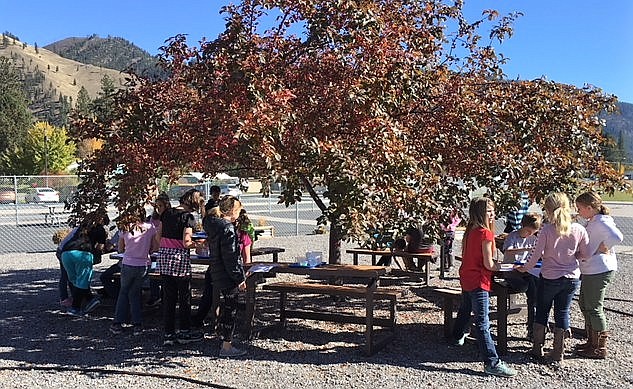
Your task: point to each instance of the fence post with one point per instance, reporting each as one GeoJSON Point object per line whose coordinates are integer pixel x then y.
{"type": "Point", "coordinates": [270, 210]}
{"type": "Point", "coordinates": [297, 218]}
{"type": "Point", "coordinates": [15, 203]}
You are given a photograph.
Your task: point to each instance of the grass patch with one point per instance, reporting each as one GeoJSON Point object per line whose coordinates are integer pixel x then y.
{"type": "Point", "coordinates": [619, 196]}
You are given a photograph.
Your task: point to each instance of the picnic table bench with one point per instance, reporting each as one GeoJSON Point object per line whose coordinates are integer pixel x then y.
{"type": "Point", "coordinates": [451, 298]}
{"type": "Point", "coordinates": [368, 319]}
{"type": "Point", "coordinates": [55, 213]}
{"type": "Point", "coordinates": [369, 292]}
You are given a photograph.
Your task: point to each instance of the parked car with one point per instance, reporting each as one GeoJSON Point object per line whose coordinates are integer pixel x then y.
{"type": "Point", "coordinates": [7, 196]}
{"type": "Point", "coordinates": [230, 189]}
{"type": "Point", "coordinates": [42, 195]}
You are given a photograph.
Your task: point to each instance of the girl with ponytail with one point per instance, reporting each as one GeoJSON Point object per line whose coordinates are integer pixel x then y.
{"type": "Point", "coordinates": [560, 244]}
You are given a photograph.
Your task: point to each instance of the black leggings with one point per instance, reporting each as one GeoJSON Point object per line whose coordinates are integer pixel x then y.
{"type": "Point", "coordinates": [228, 311]}
{"type": "Point", "coordinates": [176, 290]}
{"type": "Point", "coordinates": [79, 296]}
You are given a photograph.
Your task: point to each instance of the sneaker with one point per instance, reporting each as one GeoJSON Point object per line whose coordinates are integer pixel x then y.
{"type": "Point", "coordinates": [116, 328]}
{"type": "Point", "coordinates": [66, 303]}
{"type": "Point", "coordinates": [169, 339]}
{"type": "Point", "coordinates": [153, 302]}
{"type": "Point", "coordinates": [501, 370]}
{"type": "Point", "coordinates": [460, 341]}
{"type": "Point", "coordinates": [231, 353]}
{"type": "Point", "coordinates": [185, 337]}
{"type": "Point", "coordinates": [92, 304]}
{"type": "Point", "coordinates": [138, 330]}
{"type": "Point", "coordinates": [76, 312]}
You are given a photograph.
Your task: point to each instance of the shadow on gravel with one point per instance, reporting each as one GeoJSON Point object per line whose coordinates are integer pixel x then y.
{"type": "Point", "coordinates": [35, 331]}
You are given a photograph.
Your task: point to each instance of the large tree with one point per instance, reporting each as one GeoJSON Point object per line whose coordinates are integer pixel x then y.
{"type": "Point", "coordinates": [46, 150]}
{"type": "Point", "coordinates": [397, 107]}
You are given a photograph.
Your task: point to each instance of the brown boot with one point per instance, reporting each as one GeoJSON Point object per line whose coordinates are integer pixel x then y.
{"type": "Point", "coordinates": [538, 340]}
{"type": "Point", "coordinates": [599, 349]}
{"type": "Point", "coordinates": [590, 340]}
{"type": "Point", "coordinates": [559, 345]}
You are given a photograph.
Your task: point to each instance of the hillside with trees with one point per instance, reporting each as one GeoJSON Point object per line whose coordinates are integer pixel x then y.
{"type": "Point", "coordinates": [50, 82]}
{"type": "Point", "coordinates": [111, 52]}
{"type": "Point", "coordinates": [619, 127]}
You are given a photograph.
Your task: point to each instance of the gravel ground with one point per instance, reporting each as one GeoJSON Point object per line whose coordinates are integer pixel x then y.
{"type": "Point", "coordinates": [42, 347]}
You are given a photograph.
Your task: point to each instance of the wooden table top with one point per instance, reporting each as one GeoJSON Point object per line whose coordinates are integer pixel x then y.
{"type": "Point", "coordinates": [342, 270]}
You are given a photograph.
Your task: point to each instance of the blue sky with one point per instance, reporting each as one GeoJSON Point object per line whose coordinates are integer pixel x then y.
{"type": "Point", "coordinates": [568, 41]}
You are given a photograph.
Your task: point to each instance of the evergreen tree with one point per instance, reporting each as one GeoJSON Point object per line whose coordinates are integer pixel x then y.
{"type": "Point", "coordinates": [84, 103]}
{"type": "Point", "coordinates": [103, 105]}
{"type": "Point", "coordinates": [37, 50]}
{"type": "Point", "coordinates": [15, 117]}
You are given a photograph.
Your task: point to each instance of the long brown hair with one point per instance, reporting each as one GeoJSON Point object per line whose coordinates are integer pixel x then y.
{"type": "Point", "coordinates": [477, 217]}
{"type": "Point", "coordinates": [593, 200]}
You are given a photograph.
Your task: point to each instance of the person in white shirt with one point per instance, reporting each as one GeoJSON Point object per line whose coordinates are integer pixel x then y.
{"type": "Point", "coordinates": [597, 272]}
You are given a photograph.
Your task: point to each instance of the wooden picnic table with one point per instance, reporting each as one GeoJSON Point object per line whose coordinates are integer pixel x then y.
{"type": "Point", "coordinates": [423, 258]}
{"type": "Point", "coordinates": [201, 260]}
{"type": "Point", "coordinates": [370, 274]}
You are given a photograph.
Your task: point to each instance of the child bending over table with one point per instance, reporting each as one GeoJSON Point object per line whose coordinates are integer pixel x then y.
{"type": "Point", "coordinates": [516, 248]}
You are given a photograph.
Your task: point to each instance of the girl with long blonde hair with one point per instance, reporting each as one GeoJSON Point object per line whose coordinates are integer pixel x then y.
{"type": "Point", "coordinates": [559, 244]}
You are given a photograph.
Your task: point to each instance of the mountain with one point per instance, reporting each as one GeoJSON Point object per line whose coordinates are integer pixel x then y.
{"type": "Point", "coordinates": [111, 52]}
{"type": "Point", "coordinates": [51, 81]}
{"type": "Point", "coordinates": [621, 123]}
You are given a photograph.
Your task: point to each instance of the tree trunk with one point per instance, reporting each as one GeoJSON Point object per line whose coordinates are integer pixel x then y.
{"type": "Point", "coordinates": [336, 236]}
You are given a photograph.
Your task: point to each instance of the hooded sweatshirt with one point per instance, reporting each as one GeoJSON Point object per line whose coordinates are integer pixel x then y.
{"type": "Point", "coordinates": [601, 228]}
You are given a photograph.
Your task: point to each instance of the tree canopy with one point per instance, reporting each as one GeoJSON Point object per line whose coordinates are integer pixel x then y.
{"type": "Point", "coordinates": [399, 108]}
{"type": "Point", "coordinates": [46, 150]}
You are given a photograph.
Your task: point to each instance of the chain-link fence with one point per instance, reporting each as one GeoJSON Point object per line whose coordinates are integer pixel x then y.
{"type": "Point", "coordinates": [30, 214]}
{"type": "Point", "coordinates": [32, 210]}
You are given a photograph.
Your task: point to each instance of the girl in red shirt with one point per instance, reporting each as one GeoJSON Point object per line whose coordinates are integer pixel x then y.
{"type": "Point", "coordinates": [475, 277]}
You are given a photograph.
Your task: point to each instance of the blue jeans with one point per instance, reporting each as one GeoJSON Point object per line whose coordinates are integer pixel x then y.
{"type": "Point", "coordinates": [129, 300]}
{"type": "Point", "coordinates": [558, 292]}
{"type": "Point", "coordinates": [477, 302]}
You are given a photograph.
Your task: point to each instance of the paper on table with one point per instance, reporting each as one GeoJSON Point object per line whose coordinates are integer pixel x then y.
{"type": "Point", "coordinates": [507, 267]}
{"type": "Point", "coordinates": [261, 268]}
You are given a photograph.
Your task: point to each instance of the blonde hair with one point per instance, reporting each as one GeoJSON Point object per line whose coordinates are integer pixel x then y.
{"type": "Point", "coordinates": [558, 212]}
{"type": "Point", "coordinates": [214, 212]}
{"type": "Point", "coordinates": [593, 200]}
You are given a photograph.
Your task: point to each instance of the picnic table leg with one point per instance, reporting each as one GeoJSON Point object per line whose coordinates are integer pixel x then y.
{"type": "Point", "coordinates": [442, 253]}
{"type": "Point", "coordinates": [275, 257]}
{"type": "Point", "coordinates": [502, 320]}
{"type": "Point", "coordinates": [427, 271]}
{"type": "Point", "coordinates": [369, 317]}
{"type": "Point", "coordinates": [355, 258]}
{"type": "Point", "coordinates": [249, 315]}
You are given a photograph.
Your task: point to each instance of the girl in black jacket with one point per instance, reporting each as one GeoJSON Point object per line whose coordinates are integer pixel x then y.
{"type": "Point", "coordinates": [227, 273]}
